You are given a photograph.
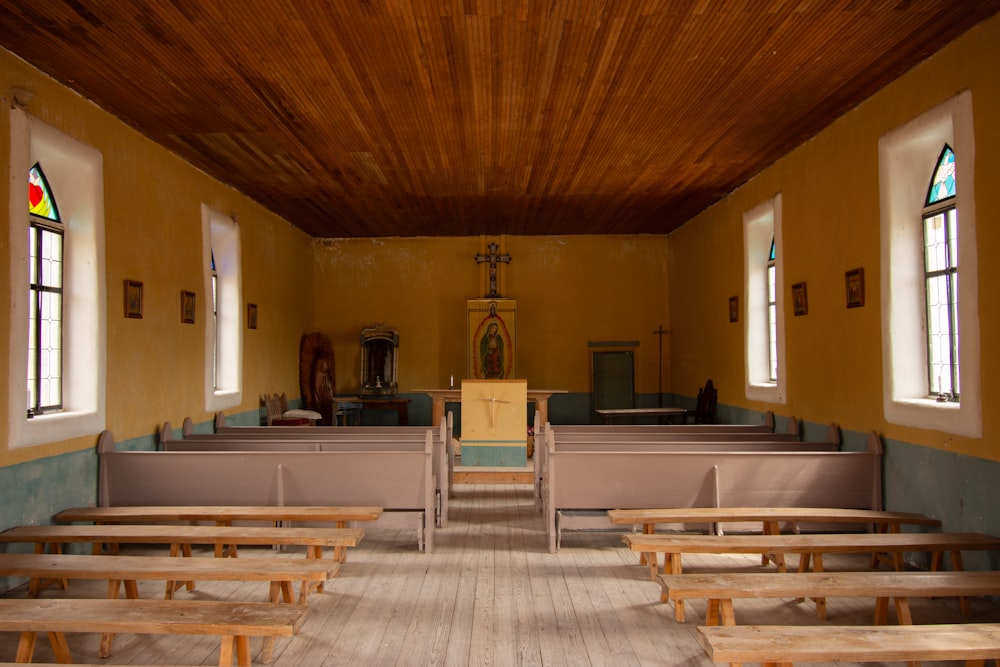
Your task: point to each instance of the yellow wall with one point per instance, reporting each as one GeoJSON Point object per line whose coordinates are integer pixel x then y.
{"type": "Point", "coordinates": [830, 213]}
{"type": "Point", "coordinates": [153, 235]}
{"type": "Point", "coordinates": [569, 290]}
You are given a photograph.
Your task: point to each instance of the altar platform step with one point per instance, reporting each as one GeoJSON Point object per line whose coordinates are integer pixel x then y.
{"type": "Point", "coordinates": [495, 474]}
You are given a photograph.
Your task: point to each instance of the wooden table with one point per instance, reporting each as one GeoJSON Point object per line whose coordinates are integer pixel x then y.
{"type": "Point", "coordinates": [609, 414]}
{"type": "Point", "coordinates": [540, 397]}
{"type": "Point", "coordinates": [223, 515]}
{"type": "Point", "coordinates": [400, 405]}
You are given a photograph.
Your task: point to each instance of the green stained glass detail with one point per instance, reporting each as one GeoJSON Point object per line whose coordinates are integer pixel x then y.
{"type": "Point", "coordinates": [770, 254]}
{"type": "Point", "coordinates": [40, 199]}
{"type": "Point", "coordinates": [943, 181]}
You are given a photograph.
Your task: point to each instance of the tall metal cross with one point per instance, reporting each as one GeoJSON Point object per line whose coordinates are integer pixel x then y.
{"type": "Point", "coordinates": [492, 257]}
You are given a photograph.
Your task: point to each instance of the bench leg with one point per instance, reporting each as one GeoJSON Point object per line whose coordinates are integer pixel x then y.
{"type": "Point", "coordinates": [241, 644]}
{"type": "Point", "coordinates": [647, 529]}
{"type": "Point", "coordinates": [673, 561]}
{"type": "Point", "coordinates": [315, 551]}
{"type": "Point", "coordinates": [26, 647]}
{"type": "Point", "coordinates": [178, 550]}
{"type": "Point", "coordinates": [60, 649]}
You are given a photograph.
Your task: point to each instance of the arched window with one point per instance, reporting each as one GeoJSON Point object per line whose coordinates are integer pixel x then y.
{"type": "Point", "coordinates": [936, 147]}
{"type": "Point", "coordinates": [764, 367]}
{"type": "Point", "coordinates": [940, 224]}
{"type": "Point", "coordinates": [772, 315]}
{"type": "Point", "coordinates": [45, 303]}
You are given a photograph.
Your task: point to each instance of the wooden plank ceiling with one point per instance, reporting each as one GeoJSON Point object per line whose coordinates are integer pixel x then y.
{"type": "Point", "coordinates": [356, 118]}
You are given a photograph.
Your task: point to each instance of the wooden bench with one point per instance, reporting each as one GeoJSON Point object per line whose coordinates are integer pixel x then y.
{"type": "Point", "coordinates": [809, 547]}
{"type": "Point", "coordinates": [720, 589]}
{"type": "Point", "coordinates": [598, 481]}
{"type": "Point", "coordinates": [128, 570]}
{"type": "Point", "coordinates": [770, 518]}
{"type": "Point", "coordinates": [281, 573]}
{"type": "Point", "coordinates": [234, 623]}
{"type": "Point", "coordinates": [399, 481]}
{"type": "Point", "coordinates": [181, 538]}
{"type": "Point", "coordinates": [782, 645]}
{"type": "Point", "coordinates": [223, 515]}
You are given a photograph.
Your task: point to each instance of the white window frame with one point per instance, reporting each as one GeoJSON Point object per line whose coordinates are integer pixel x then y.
{"type": "Point", "coordinates": [76, 173]}
{"type": "Point", "coordinates": [760, 225]}
{"type": "Point", "coordinates": [907, 158]}
{"type": "Point", "coordinates": [223, 342]}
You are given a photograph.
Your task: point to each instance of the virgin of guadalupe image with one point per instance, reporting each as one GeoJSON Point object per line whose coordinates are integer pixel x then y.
{"type": "Point", "coordinates": [491, 353]}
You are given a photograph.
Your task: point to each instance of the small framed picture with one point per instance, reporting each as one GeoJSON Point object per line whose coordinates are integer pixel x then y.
{"type": "Point", "coordinates": [855, 279]}
{"type": "Point", "coordinates": [734, 309]}
{"type": "Point", "coordinates": [800, 299]}
{"type": "Point", "coordinates": [251, 316]}
{"type": "Point", "coordinates": [133, 299]}
{"type": "Point", "coordinates": [187, 307]}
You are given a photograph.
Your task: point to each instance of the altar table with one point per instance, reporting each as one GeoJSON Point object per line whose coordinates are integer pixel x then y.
{"type": "Point", "coordinates": [670, 413]}
{"type": "Point", "coordinates": [540, 397]}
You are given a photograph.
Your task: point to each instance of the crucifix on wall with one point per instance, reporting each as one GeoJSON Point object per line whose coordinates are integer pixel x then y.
{"type": "Point", "coordinates": [493, 257]}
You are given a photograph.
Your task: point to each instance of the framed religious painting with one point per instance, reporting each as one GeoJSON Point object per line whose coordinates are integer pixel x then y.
{"type": "Point", "coordinates": [492, 339]}
{"type": "Point", "coordinates": [855, 280]}
{"type": "Point", "coordinates": [133, 299]}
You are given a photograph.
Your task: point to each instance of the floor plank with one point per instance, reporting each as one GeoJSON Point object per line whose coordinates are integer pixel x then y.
{"type": "Point", "coordinates": [489, 594]}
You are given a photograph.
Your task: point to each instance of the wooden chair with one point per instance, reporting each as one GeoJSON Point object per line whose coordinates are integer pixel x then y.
{"type": "Point", "coordinates": [708, 400]}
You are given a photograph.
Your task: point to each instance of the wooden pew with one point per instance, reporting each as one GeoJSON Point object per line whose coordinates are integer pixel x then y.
{"type": "Point", "coordinates": [708, 437]}
{"type": "Point", "coordinates": [327, 438]}
{"type": "Point", "coordinates": [809, 547]}
{"type": "Point", "coordinates": [720, 589]}
{"type": "Point", "coordinates": [234, 623]}
{"type": "Point", "coordinates": [598, 481]}
{"type": "Point", "coordinates": [783, 646]}
{"type": "Point", "coordinates": [398, 481]}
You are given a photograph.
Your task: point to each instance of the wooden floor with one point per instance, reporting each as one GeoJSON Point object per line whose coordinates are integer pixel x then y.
{"type": "Point", "coordinates": [490, 594]}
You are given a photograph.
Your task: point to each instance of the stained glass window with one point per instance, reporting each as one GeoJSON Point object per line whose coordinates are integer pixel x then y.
{"type": "Point", "coordinates": [940, 222]}
{"type": "Point", "coordinates": [772, 315]}
{"type": "Point", "coordinates": [40, 199]}
{"type": "Point", "coordinates": [45, 279]}
{"type": "Point", "coordinates": [943, 182]}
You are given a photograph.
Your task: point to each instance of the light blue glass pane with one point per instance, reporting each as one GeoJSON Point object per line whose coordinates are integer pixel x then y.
{"type": "Point", "coordinates": [943, 181]}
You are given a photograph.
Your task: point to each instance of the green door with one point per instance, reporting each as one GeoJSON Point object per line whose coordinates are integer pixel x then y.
{"type": "Point", "coordinates": [614, 375]}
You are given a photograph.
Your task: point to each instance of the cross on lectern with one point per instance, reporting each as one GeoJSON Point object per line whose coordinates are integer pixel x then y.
{"type": "Point", "coordinates": [492, 258]}
{"type": "Point", "coordinates": [493, 408]}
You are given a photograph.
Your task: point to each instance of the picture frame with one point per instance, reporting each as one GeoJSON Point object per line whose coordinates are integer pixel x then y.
{"type": "Point", "coordinates": [251, 316]}
{"type": "Point", "coordinates": [800, 299]}
{"type": "Point", "coordinates": [187, 307]}
{"type": "Point", "coordinates": [133, 299]}
{"type": "Point", "coordinates": [734, 309]}
{"type": "Point", "coordinates": [855, 285]}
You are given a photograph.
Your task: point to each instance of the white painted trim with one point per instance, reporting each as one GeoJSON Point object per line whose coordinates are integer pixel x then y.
{"type": "Point", "coordinates": [907, 157]}
{"type": "Point", "coordinates": [222, 234]}
{"type": "Point", "coordinates": [76, 173]}
{"type": "Point", "coordinates": [759, 225]}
